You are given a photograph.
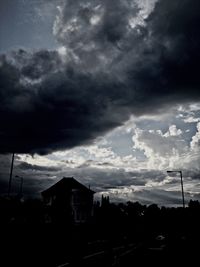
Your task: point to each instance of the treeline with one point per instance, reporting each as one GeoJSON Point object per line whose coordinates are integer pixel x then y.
{"type": "Point", "coordinates": [105, 214]}
{"type": "Point", "coordinates": [134, 220]}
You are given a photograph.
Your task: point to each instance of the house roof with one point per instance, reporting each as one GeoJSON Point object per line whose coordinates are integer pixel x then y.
{"type": "Point", "coordinates": [65, 184]}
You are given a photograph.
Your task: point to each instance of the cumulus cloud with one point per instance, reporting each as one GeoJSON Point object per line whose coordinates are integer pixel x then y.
{"type": "Point", "coordinates": [112, 64]}
{"type": "Point", "coordinates": [196, 139]}
{"type": "Point", "coordinates": [173, 149]}
{"type": "Point", "coordinates": [161, 150]}
{"type": "Point", "coordinates": [173, 131]}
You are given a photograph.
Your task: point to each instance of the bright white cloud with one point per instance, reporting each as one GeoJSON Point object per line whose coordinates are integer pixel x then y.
{"type": "Point", "coordinates": [37, 160]}
{"type": "Point", "coordinates": [146, 7]}
{"type": "Point", "coordinates": [173, 131]}
{"type": "Point", "coordinates": [195, 143]}
{"type": "Point", "coordinates": [161, 150]}
{"type": "Point", "coordinates": [191, 119]}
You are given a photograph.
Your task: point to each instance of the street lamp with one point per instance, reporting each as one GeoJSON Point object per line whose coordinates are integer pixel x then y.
{"type": "Point", "coordinates": [181, 185]}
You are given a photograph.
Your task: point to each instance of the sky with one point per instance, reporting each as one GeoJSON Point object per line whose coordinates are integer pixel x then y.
{"type": "Point", "coordinates": [104, 91]}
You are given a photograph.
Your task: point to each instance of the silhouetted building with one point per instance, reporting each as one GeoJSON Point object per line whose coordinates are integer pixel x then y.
{"type": "Point", "coordinates": [69, 201]}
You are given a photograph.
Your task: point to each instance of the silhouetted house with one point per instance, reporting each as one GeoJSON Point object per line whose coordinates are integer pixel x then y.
{"type": "Point", "coordinates": [69, 201]}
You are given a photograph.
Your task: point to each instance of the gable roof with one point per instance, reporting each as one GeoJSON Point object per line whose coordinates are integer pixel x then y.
{"type": "Point", "coordinates": [65, 184]}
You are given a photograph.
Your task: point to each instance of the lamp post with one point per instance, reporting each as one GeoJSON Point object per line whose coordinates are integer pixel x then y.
{"type": "Point", "coordinates": [183, 199]}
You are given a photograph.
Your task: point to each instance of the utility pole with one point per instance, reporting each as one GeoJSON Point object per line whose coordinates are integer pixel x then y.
{"type": "Point", "coordinates": [183, 199]}
{"type": "Point", "coordinates": [182, 189]}
{"type": "Point", "coordinates": [11, 171]}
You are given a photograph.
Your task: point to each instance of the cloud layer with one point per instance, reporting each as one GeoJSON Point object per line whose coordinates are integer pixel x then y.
{"type": "Point", "coordinates": [115, 59]}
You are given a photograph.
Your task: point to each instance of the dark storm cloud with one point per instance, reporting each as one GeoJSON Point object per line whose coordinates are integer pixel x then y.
{"type": "Point", "coordinates": [101, 179]}
{"type": "Point", "coordinates": [65, 109]}
{"type": "Point", "coordinates": [40, 64]}
{"type": "Point", "coordinates": [111, 70]}
{"type": "Point", "coordinates": [171, 63]}
{"type": "Point", "coordinates": [24, 166]}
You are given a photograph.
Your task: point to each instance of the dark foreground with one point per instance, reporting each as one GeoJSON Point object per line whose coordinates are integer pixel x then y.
{"type": "Point", "coordinates": [57, 246]}
{"type": "Point", "coordinates": [130, 235]}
